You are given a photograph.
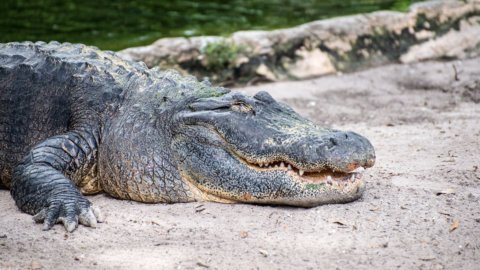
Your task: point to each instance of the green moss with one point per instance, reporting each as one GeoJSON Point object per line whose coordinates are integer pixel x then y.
{"type": "Point", "coordinates": [210, 92]}
{"type": "Point", "coordinates": [314, 186]}
{"type": "Point", "coordinates": [371, 49]}
{"type": "Point", "coordinates": [440, 28]}
{"type": "Point", "coordinates": [424, 23]}
{"type": "Point", "coordinates": [290, 48]}
{"type": "Point", "coordinates": [221, 55]}
{"type": "Point", "coordinates": [383, 46]}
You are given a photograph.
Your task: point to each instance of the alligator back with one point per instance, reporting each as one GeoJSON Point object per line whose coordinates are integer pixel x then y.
{"type": "Point", "coordinates": [46, 89]}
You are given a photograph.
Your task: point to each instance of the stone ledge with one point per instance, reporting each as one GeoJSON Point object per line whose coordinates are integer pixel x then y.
{"type": "Point", "coordinates": [429, 30]}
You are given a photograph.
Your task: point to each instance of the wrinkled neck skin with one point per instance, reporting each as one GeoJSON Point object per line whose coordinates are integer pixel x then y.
{"type": "Point", "coordinates": [135, 158]}
{"type": "Point", "coordinates": [181, 141]}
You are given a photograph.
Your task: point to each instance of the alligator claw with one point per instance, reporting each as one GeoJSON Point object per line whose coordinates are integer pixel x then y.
{"type": "Point", "coordinates": [87, 218]}
{"type": "Point", "coordinates": [98, 214]}
{"type": "Point", "coordinates": [69, 214]}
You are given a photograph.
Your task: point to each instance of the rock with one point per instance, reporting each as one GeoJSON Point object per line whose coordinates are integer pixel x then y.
{"type": "Point", "coordinates": [265, 72]}
{"type": "Point", "coordinates": [311, 64]}
{"type": "Point", "coordinates": [429, 30]}
{"type": "Point", "coordinates": [454, 44]}
{"type": "Point", "coordinates": [263, 252]}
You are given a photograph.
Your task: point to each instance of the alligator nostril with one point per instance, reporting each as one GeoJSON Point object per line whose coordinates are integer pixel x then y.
{"type": "Point", "coordinates": [333, 141]}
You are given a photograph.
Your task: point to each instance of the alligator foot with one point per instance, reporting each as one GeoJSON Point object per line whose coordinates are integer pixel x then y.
{"type": "Point", "coordinates": [69, 213]}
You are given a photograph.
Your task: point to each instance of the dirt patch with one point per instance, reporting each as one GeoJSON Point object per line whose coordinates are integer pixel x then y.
{"type": "Point", "coordinates": [420, 211]}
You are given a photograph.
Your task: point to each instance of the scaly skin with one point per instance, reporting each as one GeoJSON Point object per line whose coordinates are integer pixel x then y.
{"type": "Point", "coordinates": [75, 120]}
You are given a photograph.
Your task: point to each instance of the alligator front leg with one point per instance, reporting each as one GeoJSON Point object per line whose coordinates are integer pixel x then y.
{"type": "Point", "coordinates": [41, 184]}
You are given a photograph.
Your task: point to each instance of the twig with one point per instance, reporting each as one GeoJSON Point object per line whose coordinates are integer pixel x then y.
{"type": "Point", "coordinates": [456, 73]}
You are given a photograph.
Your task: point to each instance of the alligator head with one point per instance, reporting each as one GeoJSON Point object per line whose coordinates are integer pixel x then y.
{"type": "Point", "coordinates": [179, 140]}
{"type": "Point", "coordinates": [238, 148]}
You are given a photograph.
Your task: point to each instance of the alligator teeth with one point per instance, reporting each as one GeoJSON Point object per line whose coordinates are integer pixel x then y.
{"type": "Point", "coordinates": [276, 166]}
{"type": "Point", "coordinates": [289, 167]}
{"type": "Point", "coordinates": [358, 170]}
{"type": "Point", "coordinates": [301, 172]}
{"type": "Point", "coordinates": [329, 178]}
{"type": "Point", "coordinates": [282, 165]}
{"type": "Point", "coordinates": [261, 165]}
{"type": "Point", "coordinates": [352, 178]}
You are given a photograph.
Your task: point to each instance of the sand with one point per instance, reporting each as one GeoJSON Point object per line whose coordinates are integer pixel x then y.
{"type": "Point", "coordinates": [421, 209]}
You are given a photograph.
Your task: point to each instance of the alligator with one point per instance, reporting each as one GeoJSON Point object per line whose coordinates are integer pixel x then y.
{"type": "Point", "coordinates": [75, 120]}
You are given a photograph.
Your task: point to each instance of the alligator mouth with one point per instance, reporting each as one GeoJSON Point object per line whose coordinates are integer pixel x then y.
{"type": "Point", "coordinates": [325, 176]}
{"type": "Point", "coordinates": [337, 180]}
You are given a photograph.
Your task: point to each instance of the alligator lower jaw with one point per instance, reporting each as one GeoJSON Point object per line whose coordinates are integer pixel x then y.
{"type": "Point", "coordinates": [327, 176]}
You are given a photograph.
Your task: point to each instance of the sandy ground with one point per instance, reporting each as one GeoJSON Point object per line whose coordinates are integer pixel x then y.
{"type": "Point", "coordinates": [421, 209]}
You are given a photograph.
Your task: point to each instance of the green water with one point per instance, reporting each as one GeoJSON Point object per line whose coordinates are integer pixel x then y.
{"type": "Point", "coordinates": [119, 24]}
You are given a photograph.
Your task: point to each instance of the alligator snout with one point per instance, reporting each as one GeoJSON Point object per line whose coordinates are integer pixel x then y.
{"type": "Point", "coordinates": [346, 151]}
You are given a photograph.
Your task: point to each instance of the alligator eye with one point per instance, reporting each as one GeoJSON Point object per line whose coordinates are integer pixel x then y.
{"type": "Point", "coordinates": [240, 106]}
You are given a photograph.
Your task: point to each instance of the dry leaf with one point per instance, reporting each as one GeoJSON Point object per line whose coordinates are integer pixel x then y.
{"type": "Point", "coordinates": [454, 226]}
{"type": "Point", "coordinates": [243, 234]}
